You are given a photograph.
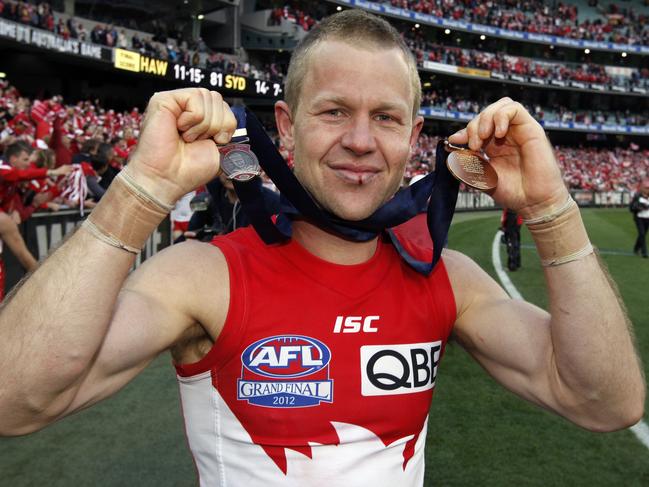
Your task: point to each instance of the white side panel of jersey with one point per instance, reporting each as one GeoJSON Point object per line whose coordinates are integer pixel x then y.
{"type": "Point", "coordinates": [226, 456]}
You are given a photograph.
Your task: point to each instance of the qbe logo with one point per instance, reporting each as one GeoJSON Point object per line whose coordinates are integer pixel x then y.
{"type": "Point", "coordinates": [285, 371]}
{"type": "Point", "coordinates": [399, 369]}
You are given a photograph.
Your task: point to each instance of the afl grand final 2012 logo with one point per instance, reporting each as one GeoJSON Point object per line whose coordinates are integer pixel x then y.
{"type": "Point", "coordinates": [285, 371]}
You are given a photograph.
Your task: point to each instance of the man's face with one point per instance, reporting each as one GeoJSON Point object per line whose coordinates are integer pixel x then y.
{"type": "Point", "coordinates": [20, 161]}
{"type": "Point", "coordinates": [353, 129]}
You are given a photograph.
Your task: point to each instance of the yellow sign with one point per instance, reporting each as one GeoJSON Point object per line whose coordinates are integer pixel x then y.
{"type": "Point", "coordinates": [132, 61]}
{"type": "Point", "coordinates": [128, 60]}
{"type": "Point", "coordinates": [483, 73]}
{"type": "Point", "coordinates": [153, 66]}
{"type": "Point", "coordinates": [233, 82]}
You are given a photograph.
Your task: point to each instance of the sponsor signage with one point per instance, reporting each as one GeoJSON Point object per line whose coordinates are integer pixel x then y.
{"type": "Point", "coordinates": [482, 73]}
{"type": "Point", "coordinates": [399, 369]}
{"type": "Point", "coordinates": [44, 231]}
{"type": "Point", "coordinates": [440, 67]}
{"type": "Point", "coordinates": [45, 39]}
{"type": "Point", "coordinates": [495, 31]}
{"type": "Point", "coordinates": [438, 113]}
{"type": "Point", "coordinates": [135, 62]}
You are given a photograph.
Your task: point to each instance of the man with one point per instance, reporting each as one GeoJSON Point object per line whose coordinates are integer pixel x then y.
{"type": "Point", "coordinates": [224, 213]}
{"type": "Point", "coordinates": [14, 170]}
{"type": "Point", "coordinates": [510, 224]}
{"type": "Point", "coordinates": [313, 362]}
{"type": "Point", "coordinates": [640, 210]}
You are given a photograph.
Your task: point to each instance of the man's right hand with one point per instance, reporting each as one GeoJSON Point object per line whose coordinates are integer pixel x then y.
{"type": "Point", "coordinates": [176, 151]}
{"type": "Point", "coordinates": [61, 170]}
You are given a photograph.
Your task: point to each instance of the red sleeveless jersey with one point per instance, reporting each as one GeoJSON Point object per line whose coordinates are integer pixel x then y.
{"type": "Point", "coordinates": [323, 373]}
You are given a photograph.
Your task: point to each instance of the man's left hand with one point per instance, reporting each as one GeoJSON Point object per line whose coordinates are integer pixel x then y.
{"type": "Point", "coordinates": [529, 179]}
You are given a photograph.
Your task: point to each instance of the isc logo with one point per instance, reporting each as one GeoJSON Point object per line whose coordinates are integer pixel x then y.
{"type": "Point", "coordinates": [354, 324]}
{"type": "Point", "coordinates": [399, 369]}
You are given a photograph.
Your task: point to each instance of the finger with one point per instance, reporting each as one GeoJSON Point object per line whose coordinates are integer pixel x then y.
{"type": "Point", "coordinates": [474, 140]}
{"type": "Point", "coordinates": [212, 116]}
{"type": "Point", "coordinates": [228, 125]}
{"type": "Point", "coordinates": [191, 114]}
{"type": "Point", "coordinates": [459, 137]}
{"type": "Point", "coordinates": [203, 118]}
{"type": "Point", "coordinates": [486, 127]}
{"type": "Point", "coordinates": [216, 122]}
{"type": "Point", "coordinates": [504, 116]}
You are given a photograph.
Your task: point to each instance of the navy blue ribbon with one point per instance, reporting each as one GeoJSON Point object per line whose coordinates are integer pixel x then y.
{"type": "Point", "coordinates": [439, 189]}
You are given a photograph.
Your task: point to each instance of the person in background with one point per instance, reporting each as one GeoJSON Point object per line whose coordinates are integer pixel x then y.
{"type": "Point", "coordinates": [640, 209]}
{"type": "Point", "coordinates": [15, 175]}
{"type": "Point", "coordinates": [511, 223]}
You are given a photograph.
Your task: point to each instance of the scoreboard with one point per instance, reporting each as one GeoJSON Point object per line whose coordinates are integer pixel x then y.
{"type": "Point", "coordinates": [121, 59]}
{"type": "Point", "coordinates": [228, 84]}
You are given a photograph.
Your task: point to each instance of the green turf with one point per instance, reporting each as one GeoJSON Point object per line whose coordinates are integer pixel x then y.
{"type": "Point", "coordinates": [479, 434]}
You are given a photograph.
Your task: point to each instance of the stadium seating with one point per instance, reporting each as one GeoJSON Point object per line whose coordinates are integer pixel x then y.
{"type": "Point", "coordinates": [614, 24]}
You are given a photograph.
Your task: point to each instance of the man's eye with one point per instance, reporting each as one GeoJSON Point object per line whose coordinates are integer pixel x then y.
{"type": "Point", "coordinates": [384, 117]}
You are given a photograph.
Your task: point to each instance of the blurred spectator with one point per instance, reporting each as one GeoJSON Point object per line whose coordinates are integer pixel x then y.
{"type": "Point", "coordinates": [500, 62]}
{"type": "Point", "coordinates": [622, 25]}
{"type": "Point", "coordinates": [446, 100]}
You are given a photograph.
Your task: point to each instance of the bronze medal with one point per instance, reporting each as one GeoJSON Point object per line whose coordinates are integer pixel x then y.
{"type": "Point", "coordinates": [471, 167]}
{"type": "Point", "coordinates": [239, 162]}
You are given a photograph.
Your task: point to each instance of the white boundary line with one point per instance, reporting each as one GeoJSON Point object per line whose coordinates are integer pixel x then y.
{"type": "Point", "coordinates": [498, 266]}
{"type": "Point", "coordinates": [640, 430]}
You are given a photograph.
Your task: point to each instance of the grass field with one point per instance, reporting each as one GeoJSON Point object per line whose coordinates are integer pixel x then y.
{"type": "Point", "coordinates": [479, 434]}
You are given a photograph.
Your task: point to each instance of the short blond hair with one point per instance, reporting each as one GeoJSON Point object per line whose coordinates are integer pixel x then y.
{"type": "Point", "coordinates": [353, 27]}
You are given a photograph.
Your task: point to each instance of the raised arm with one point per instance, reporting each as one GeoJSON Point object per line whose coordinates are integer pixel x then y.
{"type": "Point", "coordinates": [579, 359]}
{"type": "Point", "coordinates": [66, 339]}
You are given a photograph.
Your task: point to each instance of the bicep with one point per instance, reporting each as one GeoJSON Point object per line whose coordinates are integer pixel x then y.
{"type": "Point", "coordinates": [510, 338]}
{"type": "Point", "coordinates": [158, 304]}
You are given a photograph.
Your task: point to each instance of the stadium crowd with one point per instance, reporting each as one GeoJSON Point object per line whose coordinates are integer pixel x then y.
{"type": "Point", "coordinates": [584, 168]}
{"type": "Point", "coordinates": [514, 65]}
{"type": "Point", "coordinates": [617, 24]}
{"type": "Point", "coordinates": [94, 140]}
{"type": "Point", "coordinates": [57, 133]}
{"type": "Point", "coordinates": [158, 46]}
{"type": "Point", "coordinates": [446, 100]}
{"type": "Point", "coordinates": [197, 53]}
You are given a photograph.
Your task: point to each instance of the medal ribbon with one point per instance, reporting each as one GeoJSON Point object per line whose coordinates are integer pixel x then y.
{"type": "Point", "coordinates": [438, 189]}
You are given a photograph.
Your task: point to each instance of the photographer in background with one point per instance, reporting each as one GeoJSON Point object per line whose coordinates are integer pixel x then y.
{"type": "Point", "coordinates": [640, 209]}
{"type": "Point", "coordinates": [510, 224]}
{"type": "Point", "coordinates": [218, 212]}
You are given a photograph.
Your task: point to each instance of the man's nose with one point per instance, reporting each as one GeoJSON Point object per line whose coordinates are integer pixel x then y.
{"type": "Point", "coordinates": [359, 137]}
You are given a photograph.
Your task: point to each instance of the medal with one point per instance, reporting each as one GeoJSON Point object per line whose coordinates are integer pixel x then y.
{"type": "Point", "coordinates": [239, 162]}
{"type": "Point", "coordinates": [471, 167]}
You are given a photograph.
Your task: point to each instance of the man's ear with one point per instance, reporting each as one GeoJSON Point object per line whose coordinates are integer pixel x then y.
{"type": "Point", "coordinates": [284, 123]}
{"type": "Point", "coordinates": [417, 125]}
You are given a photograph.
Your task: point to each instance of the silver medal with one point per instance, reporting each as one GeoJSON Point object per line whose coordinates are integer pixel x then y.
{"type": "Point", "coordinates": [239, 162]}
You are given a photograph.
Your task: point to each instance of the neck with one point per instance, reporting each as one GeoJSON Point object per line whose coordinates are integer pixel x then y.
{"type": "Point", "coordinates": [330, 247]}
